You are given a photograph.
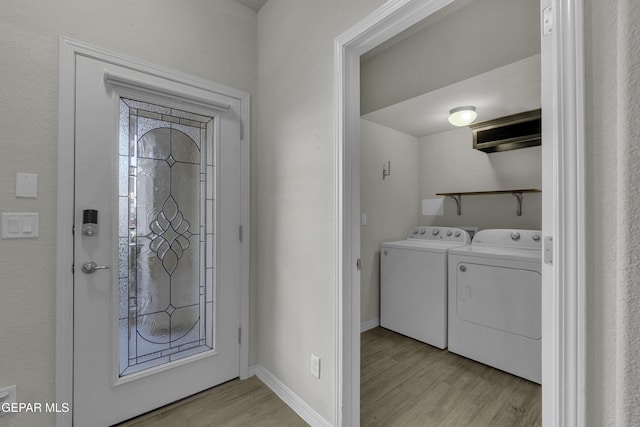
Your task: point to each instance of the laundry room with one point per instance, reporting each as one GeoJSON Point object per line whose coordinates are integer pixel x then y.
{"type": "Point", "coordinates": [417, 169]}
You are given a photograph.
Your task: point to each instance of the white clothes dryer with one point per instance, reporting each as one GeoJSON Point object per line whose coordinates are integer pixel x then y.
{"type": "Point", "coordinates": [495, 301]}
{"type": "Point", "coordinates": [413, 283]}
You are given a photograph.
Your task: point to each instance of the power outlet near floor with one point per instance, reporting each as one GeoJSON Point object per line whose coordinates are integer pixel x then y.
{"type": "Point", "coordinates": [315, 366]}
{"type": "Point", "coordinates": [7, 395]}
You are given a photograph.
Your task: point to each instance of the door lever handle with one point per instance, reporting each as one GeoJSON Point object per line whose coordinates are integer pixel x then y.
{"type": "Point", "coordinates": [90, 267]}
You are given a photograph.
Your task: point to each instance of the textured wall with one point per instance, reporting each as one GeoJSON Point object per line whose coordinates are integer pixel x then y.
{"type": "Point", "coordinates": [628, 296]}
{"type": "Point", "coordinates": [391, 204]}
{"type": "Point", "coordinates": [448, 164]}
{"type": "Point", "coordinates": [296, 191]}
{"type": "Point", "coordinates": [213, 40]}
{"type": "Point", "coordinates": [612, 46]}
{"type": "Point", "coordinates": [600, 115]}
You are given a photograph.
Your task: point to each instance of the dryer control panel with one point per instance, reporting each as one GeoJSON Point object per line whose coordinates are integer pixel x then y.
{"type": "Point", "coordinates": [443, 234]}
{"type": "Point", "coordinates": [523, 239]}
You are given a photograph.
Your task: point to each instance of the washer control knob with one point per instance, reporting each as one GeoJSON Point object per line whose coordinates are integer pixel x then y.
{"type": "Point", "coordinates": [458, 234]}
{"type": "Point", "coordinates": [415, 231]}
{"type": "Point", "coordinates": [435, 232]}
{"type": "Point", "coordinates": [535, 237]}
{"type": "Point", "coordinates": [515, 235]}
{"type": "Point", "coordinates": [423, 231]}
{"type": "Point", "coordinates": [462, 268]}
{"type": "Point", "coordinates": [449, 233]}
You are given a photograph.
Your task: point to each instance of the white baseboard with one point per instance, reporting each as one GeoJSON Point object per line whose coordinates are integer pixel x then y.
{"type": "Point", "coordinates": [370, 324]}
{"type": "Point", "coordinates": [300, 407]}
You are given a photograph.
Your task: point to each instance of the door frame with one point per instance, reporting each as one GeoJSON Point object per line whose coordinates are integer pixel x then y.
{"type": "Point", "coordinates": [69, 49]}
{"type": "Point", "coordinates": [563, 355]}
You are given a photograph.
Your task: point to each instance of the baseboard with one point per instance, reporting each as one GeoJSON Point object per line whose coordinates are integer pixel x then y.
{"type": "Point", "coordinates": [370, 324]}
{"type": "Point", "coordinates": [300, 407]}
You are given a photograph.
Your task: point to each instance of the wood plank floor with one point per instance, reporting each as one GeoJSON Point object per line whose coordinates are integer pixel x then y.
{"type": "Point", "coordinates": [407, 383]}
{"type": "Point", "coordinates": [403, 383]}
{"type": "Point", "coordinates": [236, 403]}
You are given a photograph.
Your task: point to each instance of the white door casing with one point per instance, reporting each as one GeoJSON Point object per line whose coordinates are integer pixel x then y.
{"type": "Point", "coordinates": [563, 353]}
{"type": "Point", "coordinates": [102, 78]}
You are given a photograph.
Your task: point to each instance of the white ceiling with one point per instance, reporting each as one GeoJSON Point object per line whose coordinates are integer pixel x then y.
{"type": "Point", "coordinates": [510, 89]}
{"type": "Point", "coordinates": [416, 28]}
{"type": "Point", "coordinates": [253, 4]}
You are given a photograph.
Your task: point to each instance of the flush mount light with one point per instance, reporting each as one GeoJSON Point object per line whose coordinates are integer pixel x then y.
{"type": "Point", "coordinates": [462, 116]}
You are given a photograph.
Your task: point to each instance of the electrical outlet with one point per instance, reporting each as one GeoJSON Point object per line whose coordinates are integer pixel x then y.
{"type": "Point", "coordinates": [315, 366]}
{"type": "Point", "coordinates": [7, 395]}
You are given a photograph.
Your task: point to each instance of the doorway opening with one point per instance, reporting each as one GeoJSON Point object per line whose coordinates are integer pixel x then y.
{"type": "Point", "coordinates": [562, 221]}
{"type": "Point", "coordinates": [147, 296]}
{"type": "Point", "coordinates": [446, 62]}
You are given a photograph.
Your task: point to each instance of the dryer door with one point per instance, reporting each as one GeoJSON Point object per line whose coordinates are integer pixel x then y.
{"type": "Point", "coordinates": [499, 297]}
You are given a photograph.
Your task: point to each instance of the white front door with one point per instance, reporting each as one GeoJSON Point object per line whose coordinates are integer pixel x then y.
{"type": "Point", "coordinates": [158, 163]}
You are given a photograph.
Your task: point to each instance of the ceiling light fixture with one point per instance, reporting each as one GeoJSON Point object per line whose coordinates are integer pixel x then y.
{"type": "Point", "coordinates": [462, 116]}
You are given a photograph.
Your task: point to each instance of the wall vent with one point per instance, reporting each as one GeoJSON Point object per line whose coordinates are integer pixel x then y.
{"type": "Point", "coordinates": [508, 133]}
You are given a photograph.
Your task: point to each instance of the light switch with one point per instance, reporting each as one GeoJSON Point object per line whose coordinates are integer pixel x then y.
{"type": "Point", "coordinates": [26, 185]}
{"type": "Point", "coordinates": [27, 226]}
{"type": "Point", "coordinates": [14, 225]}
{"type": "Point", "coordinates": [20, 225]}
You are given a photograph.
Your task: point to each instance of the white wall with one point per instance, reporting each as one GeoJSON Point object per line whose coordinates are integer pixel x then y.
{"type": "Point", "coordinates": [213, 40]}
{"type": "Point", "coordinates": [449, 164]}
{"type": "Point", "coordinates": [296, 169]}
{"type": "Point", "coordinates": [612, 43]}
{"type": "Point", "coordinates": [435, 57]}
{"type": "Point", "coordinates": [391, 204]}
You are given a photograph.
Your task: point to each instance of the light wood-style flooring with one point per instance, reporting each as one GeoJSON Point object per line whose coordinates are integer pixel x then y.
{"type": "Point", "coordinates": [403, 383]}
{"type": "Point", "coordinates": [407, 383]}
{"type": "Point", "coordinates": [235, 403]}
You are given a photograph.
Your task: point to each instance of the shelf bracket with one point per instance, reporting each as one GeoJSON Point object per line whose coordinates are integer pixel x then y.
{"type": "Point", "coordinates": [458, 199]}
{"type": "Point", "coordinates": [518, 195]}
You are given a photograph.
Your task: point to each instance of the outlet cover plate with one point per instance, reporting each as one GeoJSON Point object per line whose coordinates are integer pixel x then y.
{"type": "Point", "coordinates": [315, 366]}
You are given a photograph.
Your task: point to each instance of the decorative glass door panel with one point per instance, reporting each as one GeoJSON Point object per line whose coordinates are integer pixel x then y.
{"type": "Point", "coordinates": [166, 235]}
{"type": "Point", "coordinates": [160, 320]}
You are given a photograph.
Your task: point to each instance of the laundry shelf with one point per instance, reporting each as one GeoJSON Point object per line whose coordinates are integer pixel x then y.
{"type": "Point", "coordinates": [517, 193]}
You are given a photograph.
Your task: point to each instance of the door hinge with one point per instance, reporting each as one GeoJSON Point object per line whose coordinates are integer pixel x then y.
{"type": "Point", "coordinates": [547, 21]}
{"type": "Point", "coordinates": [239, 335]}
{"type": "Point", "coordinates": [241, 130]}
{"type": "Point", "coordinates": [240, 233]}
{"type": "Point", "coordinates": [73, 233]}
{"type": "Point", "coordinates": [548, 250]}
{"type": "Point", "coordinates": [358, 264]}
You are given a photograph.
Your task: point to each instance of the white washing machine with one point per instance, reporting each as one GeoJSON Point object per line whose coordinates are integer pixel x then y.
{"type": "Point", "coordinates": [495, 301]}
{"type": "Point", "coordinates": [413, 283]}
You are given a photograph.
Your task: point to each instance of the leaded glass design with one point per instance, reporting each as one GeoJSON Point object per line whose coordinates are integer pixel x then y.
{"type": "Point", "coordinates": [166, 235]}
